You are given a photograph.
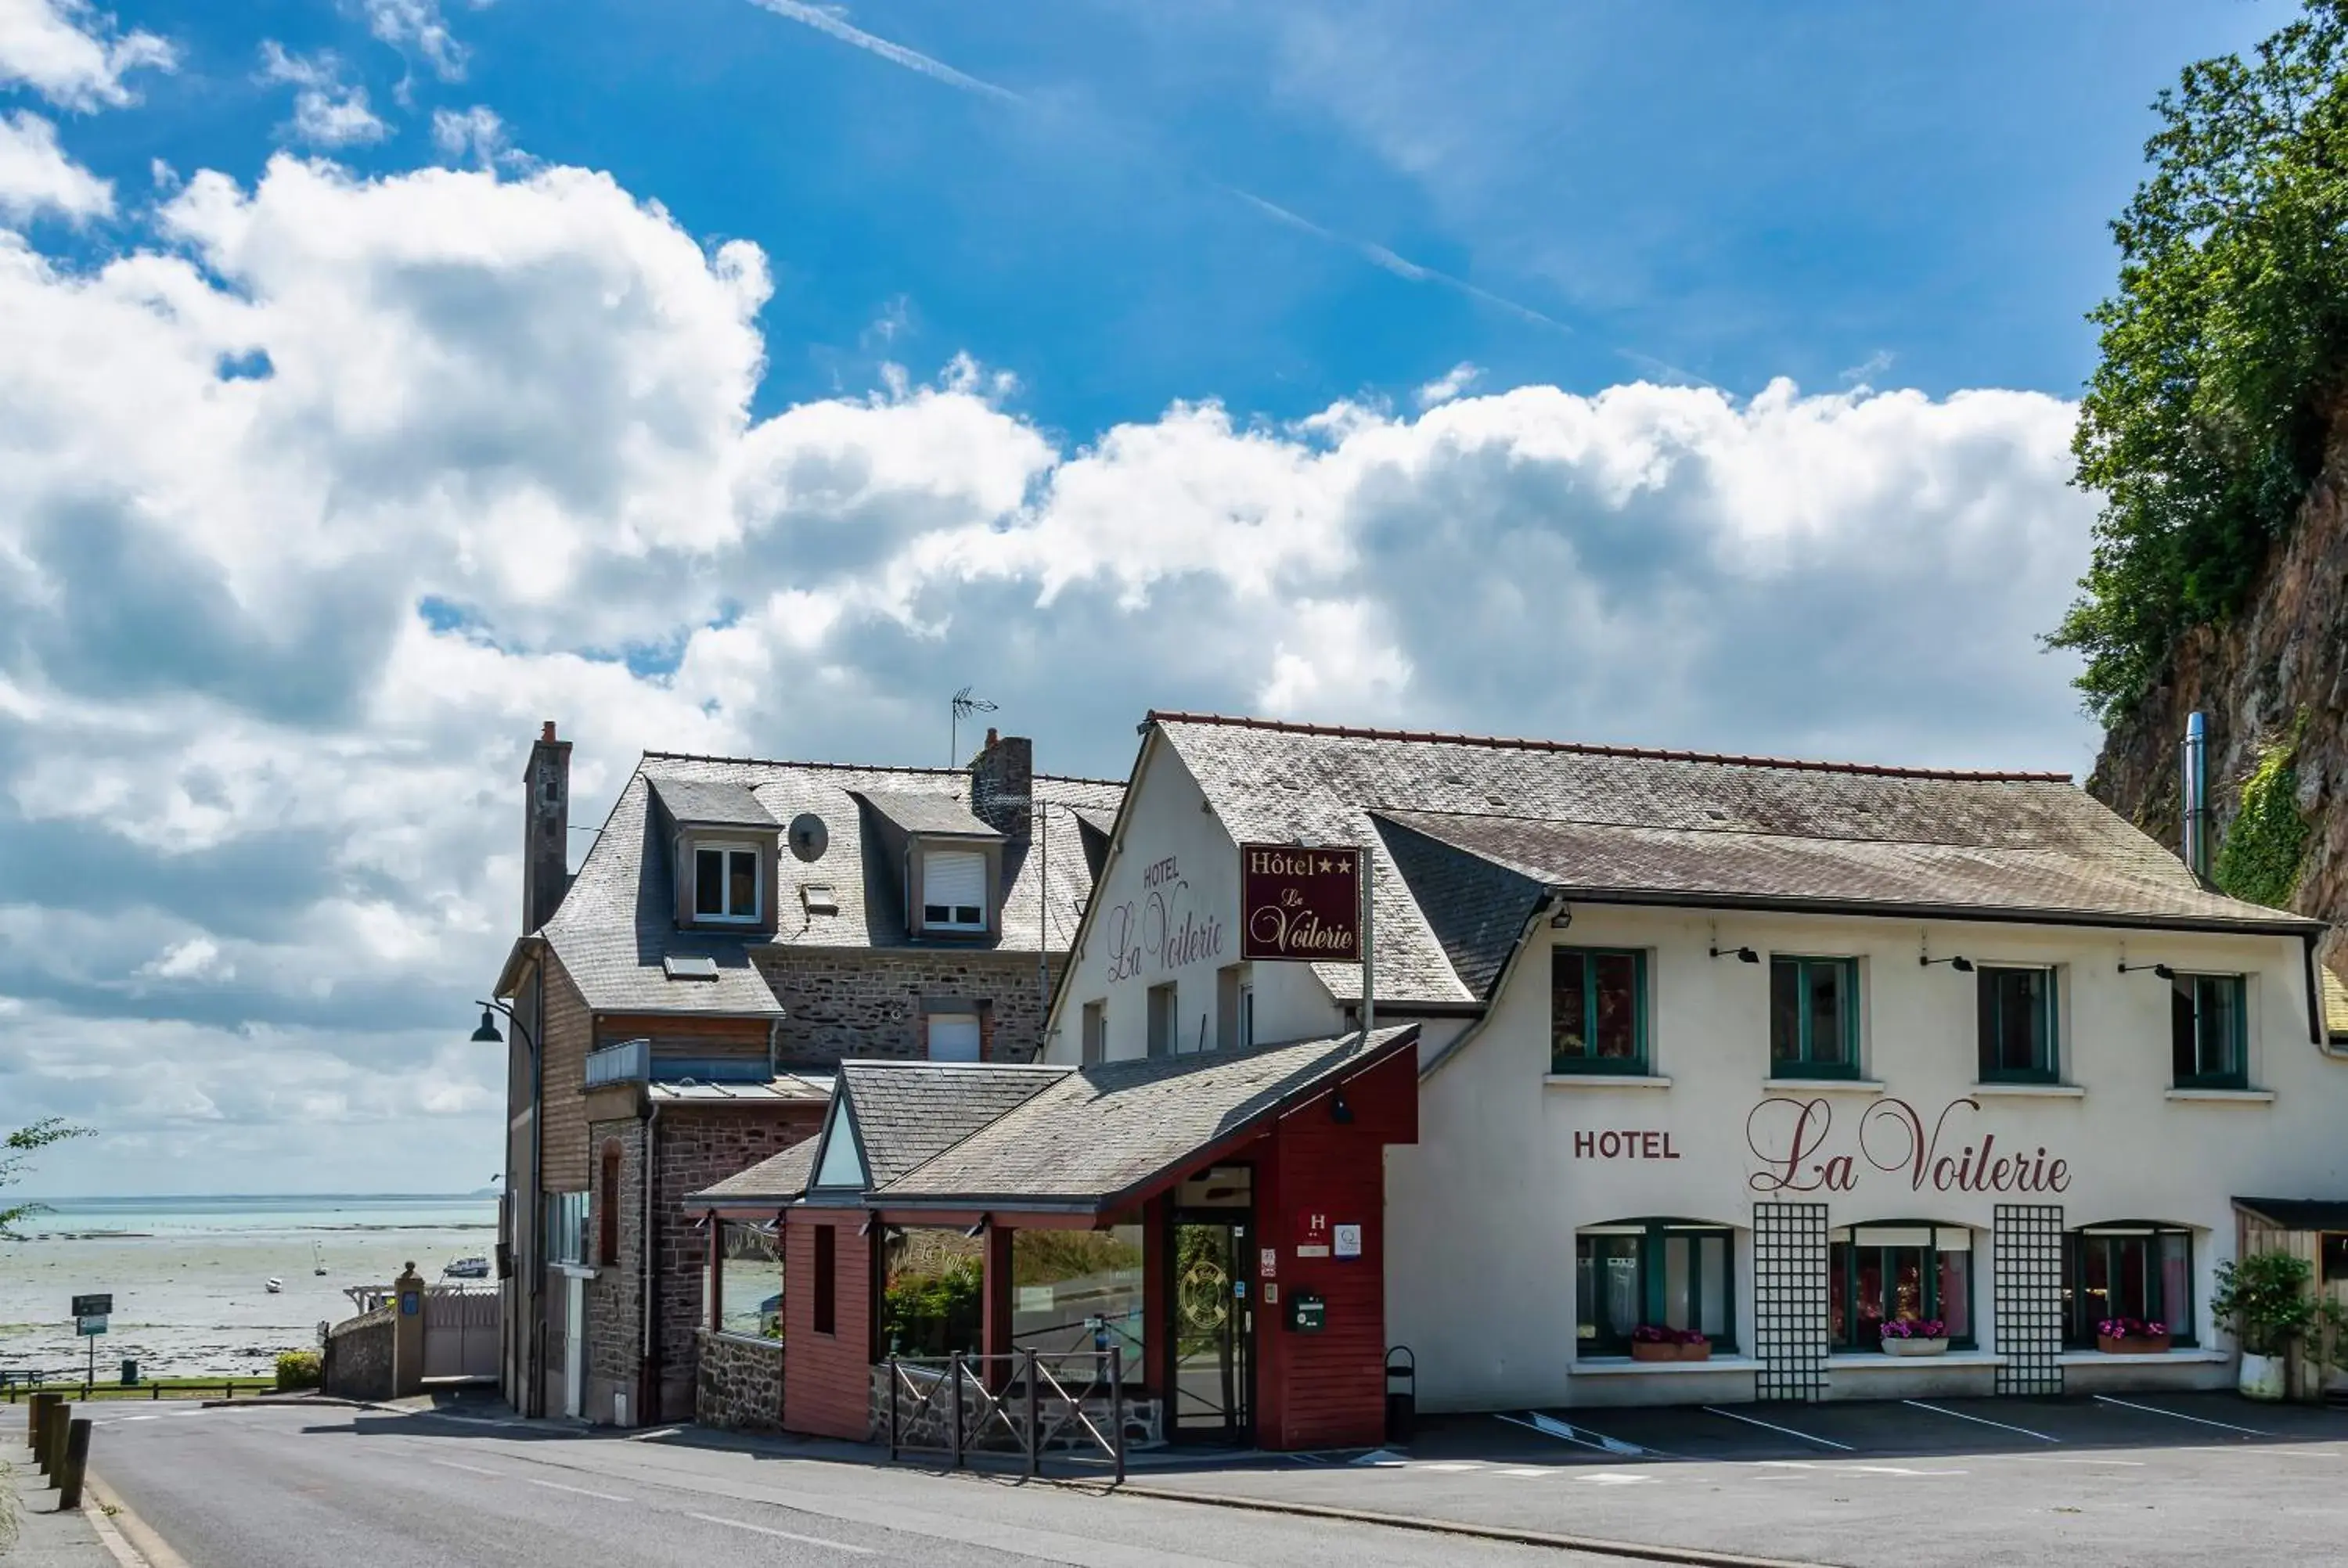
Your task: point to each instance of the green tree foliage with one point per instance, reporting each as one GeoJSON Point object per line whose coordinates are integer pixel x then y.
{"type": "Point", "coordinates": [2224, 351]}
{"type": "Point", "coordinates": [17, 1151]}
{"type": "Point", "coordinates": [934, 1313]}
{"type": "Point", "coordinates": [299, 1368]}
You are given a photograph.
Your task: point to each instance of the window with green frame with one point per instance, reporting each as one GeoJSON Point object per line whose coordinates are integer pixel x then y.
{"type": "Point", "coordinates": [1910, 1272]}
{"type": "Point", "coordinates": [1673, 1273]}
{"type": "Point", "coordinates": [2207, 1032]}
{"type": "Point", "coordinates": [2017, 1026]}
{"type": "Point", "coordinates": [1813, 1018]}
{"type": "Point", "coordinates": [2133, 1269]}
{"type": "Point", "coordinates": [1598, 1010]}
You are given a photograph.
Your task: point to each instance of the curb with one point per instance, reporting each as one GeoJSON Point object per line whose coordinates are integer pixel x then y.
{"type": "Point", "coordinates": [1690, 1556]}
{"type": "Point", "coordinates": [282, 1400]}
{"type": "Point", "coordinates": [128, 1539]}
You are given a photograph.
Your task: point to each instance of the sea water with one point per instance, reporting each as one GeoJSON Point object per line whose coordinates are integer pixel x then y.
{"type": "Point", "coordinates": [189, 1275]}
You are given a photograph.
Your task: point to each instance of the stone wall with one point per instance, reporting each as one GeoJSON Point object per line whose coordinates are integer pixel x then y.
{"type": "Point", "coordinates": [870, 1003]}
{"type": "Point", "coordinates": [359, 1357]}
{"type": "Point", "coordinates": [738, 1386]}
{"type": "Point", "coordinates": [615, 1296]}
{"type": "Point", "coordinates": [698, 1145]}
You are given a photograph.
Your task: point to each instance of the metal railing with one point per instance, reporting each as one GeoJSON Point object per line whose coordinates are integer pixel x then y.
{"type": "Point", "coordinates": [1024, 1404]}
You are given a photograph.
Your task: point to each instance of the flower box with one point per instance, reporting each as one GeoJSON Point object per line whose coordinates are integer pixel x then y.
{"type": "Point", "coordinates": [1695, 1350]}
{"type": "Point", "coordinates": [2132, 1344]}
{"type": "Point", "coordinates": [1651, 1350]}
{"type": "Point", "coordinates": [1916, 1346]}
{"type": "Point", "coordinates": [1914, 1337]}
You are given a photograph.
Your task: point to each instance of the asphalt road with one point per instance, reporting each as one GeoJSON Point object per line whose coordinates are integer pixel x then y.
{"type": "Point", "coordinates": [289, 1488]}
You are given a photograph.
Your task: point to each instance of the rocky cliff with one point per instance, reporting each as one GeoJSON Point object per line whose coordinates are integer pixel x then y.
{"type": "Point", "coordinates": [2274, 683]}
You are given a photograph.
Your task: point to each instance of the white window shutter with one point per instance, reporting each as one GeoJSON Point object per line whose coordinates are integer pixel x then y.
{"type": "Point", "coordinates": [954, 877]}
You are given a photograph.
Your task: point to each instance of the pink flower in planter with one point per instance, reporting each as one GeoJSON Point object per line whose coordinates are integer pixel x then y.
{"type": "Point", "coordinates": [1915, 1328]}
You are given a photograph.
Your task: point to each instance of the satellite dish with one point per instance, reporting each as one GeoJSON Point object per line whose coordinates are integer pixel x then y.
{"type": "Point", "coordinates": [809, 836]}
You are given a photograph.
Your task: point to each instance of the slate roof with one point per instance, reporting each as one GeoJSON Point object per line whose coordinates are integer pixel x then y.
{"type": "Point", "coordinates": [776, 1179]}
{"type": "Point", "coordinates": [907, 1112]}
{"type": "Point", "coordinates": [1622, 822]}
{"type": "Point", "coordinates": [926, 813]}
{"type": "Point", "coordinates": [1093, 1134]}
{"type": "Point", "coordinates": [711, 803]}
{"type": "Point", "coordinates": [618, 921]}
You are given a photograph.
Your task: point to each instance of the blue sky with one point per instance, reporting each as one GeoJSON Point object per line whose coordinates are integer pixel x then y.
{"type": "Point", "coordinates": [1696, 192]}
{"type": "Point", "coordinates": [386, 377]}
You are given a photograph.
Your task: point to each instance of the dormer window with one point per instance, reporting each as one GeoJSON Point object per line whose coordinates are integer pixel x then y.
{"type": "Point", "coordinates": [953, 890]}
{"type": "Point", "coordinates": [725, 882]}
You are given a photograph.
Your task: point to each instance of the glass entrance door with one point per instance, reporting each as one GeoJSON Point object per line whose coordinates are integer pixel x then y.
{"type": "Point", "coordinates": [1213, 1309]}
{"type": "Point", "coordinates": [1213, 1328]}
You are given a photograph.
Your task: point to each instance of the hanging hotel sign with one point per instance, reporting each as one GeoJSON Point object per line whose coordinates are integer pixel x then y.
{"type": "Point", "coordinates": [1300, 903]}
{"type": "Point", "coordinates": [1800, 1150]}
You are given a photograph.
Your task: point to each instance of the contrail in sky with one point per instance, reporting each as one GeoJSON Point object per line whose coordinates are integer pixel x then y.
{"type": "Point", "coordinates": [832, 22]}
{"type": "Point", "coordinates": [824, 20]}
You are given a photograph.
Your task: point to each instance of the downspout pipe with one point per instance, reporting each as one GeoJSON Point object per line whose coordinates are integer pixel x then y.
{"type": "Point", "coordinates": [648, 1376]}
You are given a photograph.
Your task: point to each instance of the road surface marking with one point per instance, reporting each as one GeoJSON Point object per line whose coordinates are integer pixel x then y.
{"type": "Point", "coordinates": [1982, 1420]}
{"type": "Point", "coordinates": [1550, 1426]}
{"type": "Point", "coordinates": [1529, 1472]}
{"type": "Point", "coordinates": [1446, 1466]}
{"type": "Point", "coordinates": [1771, 1425]}
{"type": "Point", "coordinates": [1894, 1469]}
{"type": "Point", "coordinates": [574, 1491]}
{"type": "Point", "coordinates": [2180, 1416]}
{"type": "Point", "coordinates": [153, 1418]}
{"type": "Point", "coordinates": [2054, 1459]}
{"type": "Point", "coordinates": [781, 1534]}
{"type": "Point", "coordinates": [1615, 1478]}
{"type": "Point", "coordinates": [471, 1469]}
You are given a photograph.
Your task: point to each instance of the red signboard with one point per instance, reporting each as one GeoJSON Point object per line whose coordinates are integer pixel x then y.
{"type": "Point", "coordinates": [1300, 903]}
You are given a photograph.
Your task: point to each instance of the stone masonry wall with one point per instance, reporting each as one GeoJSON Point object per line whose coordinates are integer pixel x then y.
{"type": "Point", "coordinates": [739, 1384]}
{"type": "Point", "coordinates": [858, 1003]}
{"type": "Point", "coordinates": [699, 1146]}
{"type": "Point", "coordinates": [359, 1357]}
{"type": "Point", "coordinates": [615, 1296]}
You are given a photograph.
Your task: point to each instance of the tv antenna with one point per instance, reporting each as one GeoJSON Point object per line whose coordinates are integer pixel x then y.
{"type": "Point", "coordinates": [963, 706]}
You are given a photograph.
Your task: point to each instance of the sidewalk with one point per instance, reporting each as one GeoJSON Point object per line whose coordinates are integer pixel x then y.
{"type": "Point", "coordinates": [44, 1538]}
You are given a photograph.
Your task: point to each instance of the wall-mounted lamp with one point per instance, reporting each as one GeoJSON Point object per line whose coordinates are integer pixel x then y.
{"type": "Point", "coordinates": [1561, 920]}
{"type": "Point", "coordinates": [2163, 970]}
{"type": "Point", "coordinates": [870, 1221]}
{"type": "Point", "coordinates": [1742, 955]}
{"type": "Point", "coordinates": [1962, 966]}
{"type": "Point", "coordinates": [979, 1229]}
{"type": "Point", "coordinates": [1339, 1111]}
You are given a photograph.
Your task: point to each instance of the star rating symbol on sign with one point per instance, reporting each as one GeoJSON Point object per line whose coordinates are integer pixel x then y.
{"type": "Point", "coordinates": [1324, 865]}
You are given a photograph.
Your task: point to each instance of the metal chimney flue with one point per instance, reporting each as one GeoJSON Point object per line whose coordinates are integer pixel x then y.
{"type": "Point", "coordinates": [2193, 786]}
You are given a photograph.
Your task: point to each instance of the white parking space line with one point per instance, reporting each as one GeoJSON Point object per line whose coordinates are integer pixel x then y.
{"type": "Point", "coordinates": [574, 1491]}
{"type": "Point", "coordinates": [2057, 1459]}
{"type": "Point", "coordinates": [470, 1469]}
{"type": "Point", "coordinates": [781, 1534]}
{"type": "Point", "coordinates": [1981, 1420]}
{"type": "Point", "coordinates": [1550, 1426]}
{"type": "Point", "coordinates": [2180, 1416]}
{"type": "Point", "coordinates": [1788, 1431]}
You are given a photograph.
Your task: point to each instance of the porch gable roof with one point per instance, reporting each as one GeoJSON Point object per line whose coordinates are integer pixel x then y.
{"type": "Point", "coordinates": [1100, 1137]}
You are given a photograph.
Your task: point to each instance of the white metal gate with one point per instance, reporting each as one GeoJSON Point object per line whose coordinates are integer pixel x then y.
{"type": "Point", "coordinates": [460, 1333]}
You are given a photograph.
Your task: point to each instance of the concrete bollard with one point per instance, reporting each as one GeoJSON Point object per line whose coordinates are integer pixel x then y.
{"type": "Point", "coordinates": [76, 1460]}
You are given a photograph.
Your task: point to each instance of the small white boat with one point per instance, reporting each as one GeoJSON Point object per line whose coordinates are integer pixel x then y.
{"type": "Point", "coordinates": [274, 1285]}
{"type": "Point", "coordinates": [467, 1269]}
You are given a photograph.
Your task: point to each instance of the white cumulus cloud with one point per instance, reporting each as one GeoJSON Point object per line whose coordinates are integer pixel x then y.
{"type": "Point", "coordinates": [36, 174]}
{"type": "Point", "coordinates": [328, 111]}
{"type": "Point", "coordinates": [74, 55]}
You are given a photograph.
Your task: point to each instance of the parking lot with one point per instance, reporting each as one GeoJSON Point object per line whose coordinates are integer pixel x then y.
{"type": "Point", "coordinates": [2118, 1480]}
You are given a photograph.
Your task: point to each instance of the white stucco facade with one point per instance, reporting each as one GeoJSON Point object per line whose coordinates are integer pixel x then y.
{"type": "Point", "coordinates": [1484, 1211]}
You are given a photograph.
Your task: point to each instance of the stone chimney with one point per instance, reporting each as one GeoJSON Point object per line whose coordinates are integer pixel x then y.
{"type": "Point", "coordinates": [545, 830]}
{"type": "Point", "coordinates": [1002, 777]}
